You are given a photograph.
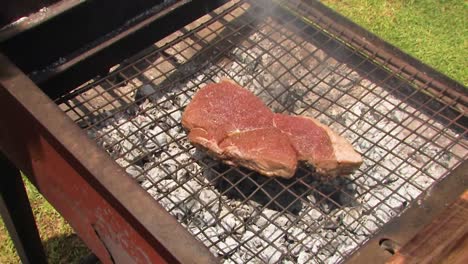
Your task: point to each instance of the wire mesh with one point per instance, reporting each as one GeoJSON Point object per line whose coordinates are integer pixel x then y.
{"type": "Point", "coordinates": [295, 67]}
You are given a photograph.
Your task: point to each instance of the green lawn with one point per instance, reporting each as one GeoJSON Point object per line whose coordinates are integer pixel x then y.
{"type": "Point", "coordinates": [435, 32]}
{"type": "Point", "coordinates": [60, 242]}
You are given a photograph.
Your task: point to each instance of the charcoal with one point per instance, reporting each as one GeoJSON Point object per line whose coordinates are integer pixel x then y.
{"type": "Point", "coordinates": [136, 172]}
{"type": "Point", "coordinates": [227, 246]}
{"type": "Point", "coordinates": [230, 222]}
{"type": "Point", "coordinates": [270, 255]}
{"type": "Point", "coordinates": [304, 258]}
{"type": "Point", "coordinates": [257, 220]}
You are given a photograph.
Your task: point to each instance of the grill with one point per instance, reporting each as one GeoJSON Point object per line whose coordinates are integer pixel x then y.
{"type": "Point", "coordinates": [410, 129]}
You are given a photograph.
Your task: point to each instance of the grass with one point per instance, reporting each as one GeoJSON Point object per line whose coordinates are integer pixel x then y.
{"type": "Point", "coordinates": [59, 240]}
{"type": "Point", "coordinates": [435, 32]}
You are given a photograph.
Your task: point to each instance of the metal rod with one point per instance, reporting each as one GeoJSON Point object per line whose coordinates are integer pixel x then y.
{"type": "Point", "coordinates": [17, 214]}
{"type": "Point", "coordinates": [403, 228]}
{"type": "Point", "coordinates": [37, 18]}
{"type": "Point", "coordinates": [103, 205]}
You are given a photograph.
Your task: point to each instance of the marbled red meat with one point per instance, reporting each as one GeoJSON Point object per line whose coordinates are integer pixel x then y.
{"type": "Point", "coordinates": [236, 127]}
{"type": "Point", "coordinates": [318, 145]}
{"type": "Point", "coordinates": [265, 150]}
{"type": "Point", "coordinates": [220, 109]}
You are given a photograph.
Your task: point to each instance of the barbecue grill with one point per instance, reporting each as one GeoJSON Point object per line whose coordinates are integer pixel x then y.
{"type": "Point", "coordinates": [93, 112]}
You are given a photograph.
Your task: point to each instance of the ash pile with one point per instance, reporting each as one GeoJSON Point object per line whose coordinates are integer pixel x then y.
{"type": "Point", "coordinates": [243, 217]}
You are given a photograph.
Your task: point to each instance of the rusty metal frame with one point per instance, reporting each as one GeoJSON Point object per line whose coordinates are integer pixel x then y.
{"type": "Point", "coordinates": [217, 46]}
{"type": "Point", "coordinates": [118, 220]}
{"type": "Point", "coordinates": [17, 215]}
{"type": "Point", "coordinates": [421, 212]}
{"type": "Point", "coordinates": [374, 44]}
{"type": "Point", "coordinates": [45, 141]}
{"type": "Point", "coordinates": [70, 50]}
{"type": "Point", "coordinates": [444, 92]}
{"type": "Point", "coordinates": [400, 230]}
{"type": "Point", "coordinates": [36, 18]}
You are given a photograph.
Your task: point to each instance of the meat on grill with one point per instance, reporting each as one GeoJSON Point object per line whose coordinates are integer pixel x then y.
{"type": "Point", "coordinates": [317, 145]}
{"type": "Point", "coordinates": [235, 126]}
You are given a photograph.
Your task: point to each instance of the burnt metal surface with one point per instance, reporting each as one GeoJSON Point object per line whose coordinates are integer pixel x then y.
{"type": "Point", "coordinates": [115, 218]}
{"type": "Point", "coordinates": [12, 10]}
{"type": "Point", "coordinates": [81, 66]}
{"type": "Point", "coordinates": [17, 215]}
{"type": "Point", "coordinates": [71, 61]}
{"type": "Point", "coordinates": [33, 20]}
{"type": "Point", "coordinates": [408, 121]}
{"type": "Point", "coordinates": [71, 31]}
{"type": "Point", "coordinates": [422, 212]}
{"type": "Point", "coordinates": [444, 239]}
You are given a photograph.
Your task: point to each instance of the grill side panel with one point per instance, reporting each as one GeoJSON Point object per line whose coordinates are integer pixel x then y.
{"type": "Point", "coordinates": [84, 185]}
{"type": "Point", "coordinates": [295, 66]}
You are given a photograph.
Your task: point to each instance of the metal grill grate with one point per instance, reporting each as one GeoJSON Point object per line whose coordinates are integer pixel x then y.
{"type": "Point", "coordinates": [295, 65]}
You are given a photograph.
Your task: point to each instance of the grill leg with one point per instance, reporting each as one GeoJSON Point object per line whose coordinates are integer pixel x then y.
{"type": "Point", "coordinates": [17, 214]}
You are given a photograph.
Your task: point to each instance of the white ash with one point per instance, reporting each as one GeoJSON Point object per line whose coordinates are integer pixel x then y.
{"type": "Point", "coordinates": [234, 221]}
{"type": "Point", "coordinates": [246, 232]}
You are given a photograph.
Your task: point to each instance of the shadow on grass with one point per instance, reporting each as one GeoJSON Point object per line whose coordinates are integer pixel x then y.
{"type": "Point", "coordinates": [66, 249]}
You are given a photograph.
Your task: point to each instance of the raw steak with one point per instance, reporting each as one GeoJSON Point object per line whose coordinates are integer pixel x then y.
{"type": "Point", "coordinates": [236, 126]}
{"type": "Point", "coordinates": [318, 145]}
{"type": "Point", "coordinates": [218, 110]}
{"type": "Point", "coordinates": [265, 150]}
